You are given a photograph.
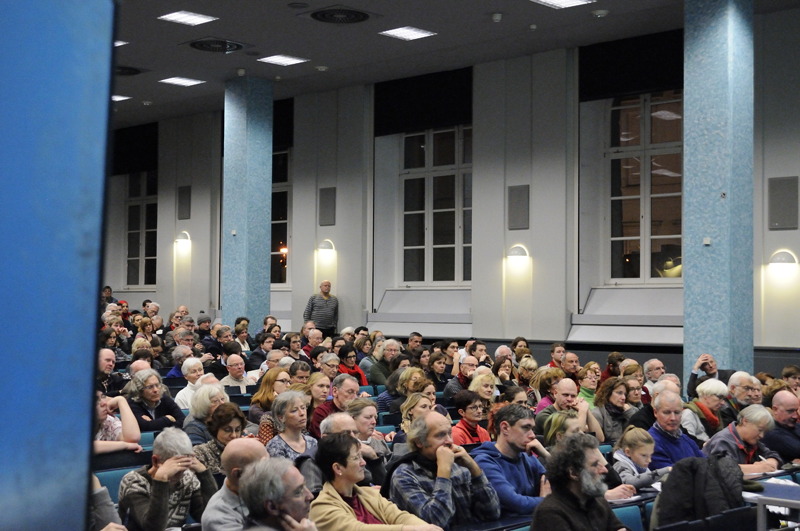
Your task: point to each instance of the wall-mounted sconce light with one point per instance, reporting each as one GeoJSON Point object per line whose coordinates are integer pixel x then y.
{"type": "Point", "coordinates": [517, 250]}
{"type": "Point", "coordinates": [284, 250]}
{"type": "Point", "coordinates": [183, 237]}
{"type": "Point", "coordinates": [783, 257]}
{"type": "Point", "coordinates": [326, 245]}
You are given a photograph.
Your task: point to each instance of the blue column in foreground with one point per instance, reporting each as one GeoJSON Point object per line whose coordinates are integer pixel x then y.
{"type": "Point", "coordinates": [247, 200]}
{"type": "Point", "coordinates": [718, 189]}
{"type": "Point", "coordinates": [54, 102]}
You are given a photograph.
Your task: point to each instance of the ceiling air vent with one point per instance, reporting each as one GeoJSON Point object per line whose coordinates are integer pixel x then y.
{"type": "Point", "coordinates": [339, 15]}
{"type": "Point", "coordinates": [216, 45]}
{"type": "Point", "coordinates": [127, 71]}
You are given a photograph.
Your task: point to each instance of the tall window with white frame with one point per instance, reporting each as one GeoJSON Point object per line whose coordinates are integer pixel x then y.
{"type": "Point", "coordinates": [142, 229]}
{"type": "Point", "coordinates": [436, 176]}
{"type": "Point", "coordinates": [281, 194]}
{"type": "Point", "coordinates": [645, 163]}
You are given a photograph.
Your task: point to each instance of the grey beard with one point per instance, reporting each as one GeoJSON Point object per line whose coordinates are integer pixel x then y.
{"type": "Point", "coordinates": [592, 486]}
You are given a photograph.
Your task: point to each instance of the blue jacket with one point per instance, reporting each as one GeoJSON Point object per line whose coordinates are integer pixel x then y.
{"type": "Point", "coordinates": [516, 481]}
{"type": "Point", "coordinates": [669, 450]}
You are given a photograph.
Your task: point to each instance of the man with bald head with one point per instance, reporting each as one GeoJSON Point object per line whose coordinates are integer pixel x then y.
{"type": "Point", "coordinates": [646, 416]}
{"type": "Point", "coordinates": [236, 375]}
{"type": "Point", "coordinates": [567, 398]}
{"type": "Point", "coordinates": [110, 383]}
{"type": "Point", "coordinates": [785, 438]}
{"type": "Point", "coordinates": [465, 373]}
{"type": "Point", "coordinates": [225, 510]}
{"type": "Point", "coordinates": [672, 444]}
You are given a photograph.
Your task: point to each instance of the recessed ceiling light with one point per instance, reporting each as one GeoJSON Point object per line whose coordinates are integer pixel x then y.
{"type": "Point", "coordinates": [408, 33]}
{"type": "Point", "coordinates": [120, 43]}
{"type": "Point", "coordinates": [187, 17]}
{"type": "Point", "coordinates": [283, 60]}
{"type": "Point", "coordinates": [560, 4]}
{"type": "Point", "coordinates": [182, 81]}
{"type": "Point", "coordinates": [119, 98]}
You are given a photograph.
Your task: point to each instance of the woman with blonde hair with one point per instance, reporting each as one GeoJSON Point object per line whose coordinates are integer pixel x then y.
{"type": "Point", "coordinates": [484, 385]}
{"type": "Point", "coordinates": [632, 456]}
{"type": "Point", "coordinates": [587, 379]}
{"type": "Point", "coordinates": [634, 370]}
{"type": "Point", "coordinates": [415, 405]}
{"type": "Point", "coordinates": [318, 388]}
{"type": "Point", "coordinates": [274, 382]}
{"type": "Point", "coordinates": [407, 378]}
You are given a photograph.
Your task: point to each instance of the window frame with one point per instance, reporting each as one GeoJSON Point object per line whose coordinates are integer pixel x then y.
{"type": "Point", "coordinates": [430, 172]}
{"type": "Point", "coordinates": [283, 187]}
{"type": "Point", "coordinates": [645, 152]}
{"type": "Point", "coordinates": [142, 202]}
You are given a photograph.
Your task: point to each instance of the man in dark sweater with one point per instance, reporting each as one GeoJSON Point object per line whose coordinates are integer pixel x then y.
{"type": "Point", "coordinates": [785, 438]}
{"type": "Point", "coordinates": [708, 365]}
{"type": "Point", "coordinates": [575, 470]}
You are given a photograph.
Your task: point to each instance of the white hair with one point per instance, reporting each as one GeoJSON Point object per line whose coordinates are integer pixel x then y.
{"type": "Point", "coordinates": [758, 415]}
{"type": "Point", "coordinates": [171, 442]}
{"type": "Point", "coordinates": [646, 366]}
{"type": "Point", "coordinates": [263, 481]}
{"type": "Point", "coordinates": [157, 305]}
{"type": "Point", "coordinates": [201, 401]}
{"type": "Point", "coordinates": [712, 387]}
{"type": "Point", "coordinates": [286, 362]}
{"type": "Point", "coordinates": [736, 378]}
{"type": "Point", "coordinates": [500, 350]}
{"type": "Point", "coordinates": [328, 356]}
{"type": "Point", "coordinates": [189, 364]}
{"type": "Point", "coordinates": [666, 396]}
{"type": "Point", "coordinates": [180, 352]}
{"type": "Point", "coordinates": [326, 426]}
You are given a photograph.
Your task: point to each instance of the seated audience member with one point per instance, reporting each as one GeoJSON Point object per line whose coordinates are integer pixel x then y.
{"type": "Point", "coordinates": [470, 406]}
{"type": "Point", "coordinates": [517, 476]}
{"type": "Point", "coordinates": [545, 381]}
{"type": "Point", "coordinates": [108, 381]}
{"type": "Point", "coordinates": [566, 397]}
{"type": "Point", "coordinates": [575, 471]}
{"type": "Point", "coordinates": [417, 405]}
{"type": "Point", "coordinates": [741, 441]}
{"type": "Point", "coordinates": [299, 372]}
{"type": "Point", "coordinates": [265, 342]}
{"type": "Point", "coordinates": [347, 364]}
{"type": "Point", "coordinates": [785, 438]}
{"type": "Point", "coordinates": [115, 433]}
{"type": "Point", "coordinates": [439, 481]}
{"type": "Point", "coordinates": [236, 376]}
{"type": "Point", "coordinates": [318, 388]}
{"type": "Point", "coordinates": [612, 410]}
{"type": "Point", "coordinates": [365, 350]}
{"type": "Point", "coordinates": [428, 389]}
{"type": "Point", "coordinates": [414, 341]}
{"type": "Point", "coordinates": [289, 415]}
{"type": "Point", "coordinates": [466, 370]}
{"type": "Point", "coordinates": [511, 395]}
{"type": "Point", "coordinates": [381, 369]}
{"type": "Point", "coordinates": [653, 369]}
{"type": "Point", "coordinates": [192, 370]}
{"type": "Point", "coordinates": [343, 504]}
{"type": "Point", "coordinates": [225, 510]}
{"type": "Point", "coordinates": [420, 356]}
{"type": "Point", "coordinates": [570, 364]}
{"type": "Point", "coordinates": [769, 391]}
{"type": "Point", "coordinates": [453, 356]}
{"type": "Point", "coordinates": [276, 496]}
{"type": "Point", "coordinates": [699, 417]}
{"type": "Point", "coordinates": [757, 396]}
{"type": "Point", "coordinates": [225, 425]}
{"type": "Point", "coordinates": [365, 415]}
{"type": "Point", "coordinates": [274, 382]}
{"type": "Point", "coordinates": [503, 371]}
{"type": "Point", "coordinates": [385, 399]}
{"type": "Point", "coordinates": [557, 351]}
{"type": "Point", "coordinates": [634, 396]}
{"type": "Point", "coordinates": [672, 444]}
{"type": "Point", "coordinates": [587, 380]}
{"type": "Point", "coordinates": [633, 453]}
{"type": "Point", "coordinates": [526, 370]}
{"type": "Point", "coordinates": [342, 423]}
{"type": "Point", "coordinates": [344, 389]}
{"type": "Point", "coordinates": [634, 370]}
{"type": "Point", "coordinates": [408, 377]}
{"type": "Point", "coordinates": [437, 371]}
{"type": "Point", "coordinates": [559, 425]}
{"type": "Point", "coordinates": [791, 375]}
{"type": "Point", "coordinates": [612, 366]}
{"type": "Point", "coordinates": [646, 416]}
{"type": "Point", "coordinates": [153, 411]}
{"type": "Point", "coordinates": [205, 401]}
{"type": "Point", "coordinates": [483, 384]}
{"type": "Point", "coordinates": [175, 485]}
{"type": "Point", "coordinates": [740, 394]}
{"type": "Point", "coordinates": [179, 355]}
{"type": "Point", "coordinates": [707, 364]}
{"type": "Point", "coordinates": [103, 515]}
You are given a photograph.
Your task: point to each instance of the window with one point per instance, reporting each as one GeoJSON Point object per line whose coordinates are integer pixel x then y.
{"type": "Point", "coordinates": [437, 206]}
{"type": "Point", "coordinates": [279, 253]}
{"type": "Point", "coordinates": [142, 228]}
{"type": "Point", "coordinates": [645, 163]}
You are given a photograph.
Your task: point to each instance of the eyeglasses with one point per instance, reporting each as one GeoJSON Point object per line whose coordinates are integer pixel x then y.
{"type": "Point", "coordinates": [152, 387]}
{"type": "Point", "coordinates": [750, 389]}
{"type": "Point", "coordinates": [217, 401]}
{"type": "Point", "coordinates": [332, 365]}
{"type": "Point", "coordinates": [351, 357]}
{"type": "Point", "coordinates": [476, 407]}
{"type": "Point", "coordinates": [284, 381]}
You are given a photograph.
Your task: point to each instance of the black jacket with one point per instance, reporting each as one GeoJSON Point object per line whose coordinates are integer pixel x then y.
{"type": "Point", "coordinates": [167, 406]}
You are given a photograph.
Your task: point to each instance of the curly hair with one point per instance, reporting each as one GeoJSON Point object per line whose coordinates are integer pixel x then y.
{"type": "Point", "coordinates": [606, 388]}
{"type": "Point", "coordinates": [568, 459]}
{"type": "Point", "coordinates": [224, 415]}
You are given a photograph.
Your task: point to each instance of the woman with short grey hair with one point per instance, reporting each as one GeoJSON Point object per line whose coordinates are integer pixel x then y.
{"type": "Point", "coordinates": [742, 441]}
{"type": "Point", "coordinates": [289, 413]}
{"type": "Point", "coordinates": [699, 417]}
{"type": "Point", "coordinates": [205, 400]}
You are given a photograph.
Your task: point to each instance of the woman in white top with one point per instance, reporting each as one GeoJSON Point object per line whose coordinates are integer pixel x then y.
{"type": "Point", "coordinates": [192, 370]}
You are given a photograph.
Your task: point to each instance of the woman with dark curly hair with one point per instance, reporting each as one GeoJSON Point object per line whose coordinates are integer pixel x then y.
{"type": "Point", "coordinates": [226, 424]}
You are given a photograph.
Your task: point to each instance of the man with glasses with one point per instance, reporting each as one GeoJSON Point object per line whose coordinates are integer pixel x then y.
{"type": "Point", "coordinates": [740, 395]}
{"type": "Point", "coordinates": [785, 438]}
{"type": "Point", "coordinates": [516, 475]}
{"type": "Point", "coordinates": [653, 369]}
{"type": "Point", "coordinates": [380, 371]}
{"type": "Point", "coordinates": [462, 381]}
{"type": "Point", "coordinates": [344, 390]}
{"type": "Point", "coordinates": [236, 376]}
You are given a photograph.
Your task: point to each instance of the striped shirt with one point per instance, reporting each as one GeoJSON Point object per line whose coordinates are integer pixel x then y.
{"type": "Point", "coordinates": [324, 312]}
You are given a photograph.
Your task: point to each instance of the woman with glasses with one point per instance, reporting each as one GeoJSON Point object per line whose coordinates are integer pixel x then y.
{"type": "Point", "coordinates": [470, 406]}
{"type": "Point", "coordinates": [153, 411]}
{"type": "Point", "coordinates": [289, 414]}
{"type": "Point", "coordinates": [226, 424]}
{"type": "Point", "coordinates": [587, 379]}
{"type": "Point", "coordinates": [342, 504]}
{"type": "Point", "coordinates": [347, 364]}
{"type": "Point", "coordinates": [700, 417]}
{"type": "Point", "coordinates": [274, 382]}
{"type": "Point", "coordinates": [634, 397]}
{"type": "Point", "coordinates": [207, 398]}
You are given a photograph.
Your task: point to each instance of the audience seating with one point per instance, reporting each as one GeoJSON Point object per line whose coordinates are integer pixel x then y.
{"type": "Point", "coordinates": [379, 389]}
{"type": "Point", "coordinates": [366, 389]}
{"type": "Point", "coordinates": [384, 429]}
{"type": "Point", "coordinates": [234, 390]}
{"type": "Point", "coordinates": [631, 516]}
{"type": "Point", "coordinates": [175, 382]}
{"type": "Point", "coordinates": [121, 459]}
{"type": "Point", "coordinates": [696, 525]}
{"type": "Point", "coordinates": [164, 370]}
{"type": "Point", "coordinates": [389, 419]}
{"type": "Point", "coordinates": [240, 399]}
{"type": "Point", "coordinates": [252, 389]}
{"type": "Point", "coordinates": [648, 510]}
{"type": "Point", "coordinates": [111, 479]}
{"type": "Point", "coordinates": [740, 518]}
{"type": "Point", "coordinates": [148, 437]}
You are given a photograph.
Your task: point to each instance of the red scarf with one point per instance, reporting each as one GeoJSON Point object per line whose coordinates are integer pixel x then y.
{"type": "Point", "coordinates": [748, 454]}
{"type": "Point", "coordinates": [711, 418]}
{"type": "Point", "coordinates": [355, 371]}
{"type": "Point", "coordinates": [463, 380]}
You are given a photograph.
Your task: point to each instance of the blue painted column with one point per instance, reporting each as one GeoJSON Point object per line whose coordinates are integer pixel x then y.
{"type": "Point", "coordinates": [246, 200]}
{"type": "Point", "coordinates": [718, 189]}
{"type": "Point", "coordinates": [54, 101]}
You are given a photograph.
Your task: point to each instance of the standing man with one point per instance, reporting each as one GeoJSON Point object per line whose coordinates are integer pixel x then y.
{"type": "Point", "coordinates": [323, 309]}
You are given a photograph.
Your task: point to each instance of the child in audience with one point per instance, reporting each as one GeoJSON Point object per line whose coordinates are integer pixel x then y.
{"type": "Point", "coordinates": [634, 451]}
